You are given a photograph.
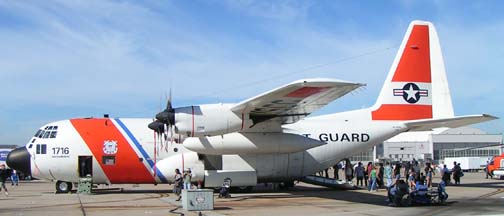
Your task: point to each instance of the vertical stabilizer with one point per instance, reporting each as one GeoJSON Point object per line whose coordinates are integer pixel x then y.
{"type": "Point", "coordinates": [416, 86]}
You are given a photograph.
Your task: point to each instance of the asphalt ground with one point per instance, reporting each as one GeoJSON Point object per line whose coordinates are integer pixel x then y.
{"type": "Point", "coordinates": [476, 196]}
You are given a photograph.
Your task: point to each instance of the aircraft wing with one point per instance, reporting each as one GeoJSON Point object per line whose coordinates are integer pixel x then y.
{"type": "Point", "coordinates": [294, 101]}
{"type": "Point", "coordinates": [428, 124]}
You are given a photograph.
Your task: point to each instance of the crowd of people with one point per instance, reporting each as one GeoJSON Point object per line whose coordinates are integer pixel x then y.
{"type": "Point", "coordinates": [399, 179]}
{"type": "Point", "coordinates": [375, 176]}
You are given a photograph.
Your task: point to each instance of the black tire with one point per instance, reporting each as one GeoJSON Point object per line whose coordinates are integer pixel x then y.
{"type": "Point", "coordinates": [408, 201]}
{"type": "Point", "coordinates": [289, 184]}
{"type": "Point", "coordinates": [243, 189]}
{"type": "Point", "coordinates": [63, 187]}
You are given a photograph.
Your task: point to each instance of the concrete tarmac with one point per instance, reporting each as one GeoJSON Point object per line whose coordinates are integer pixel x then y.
{"type": "Point", "coordinates": [476, 196]}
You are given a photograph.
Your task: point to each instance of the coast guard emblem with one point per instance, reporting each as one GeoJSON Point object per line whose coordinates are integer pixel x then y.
{"type": "Point", "coordinates": [110, 147]}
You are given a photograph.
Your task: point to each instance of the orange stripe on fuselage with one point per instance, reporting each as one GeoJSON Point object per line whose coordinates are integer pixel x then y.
{"type": "Point", "coordinates": [128, 168]}
{"type": "Point", "coordinates": [402, 112]}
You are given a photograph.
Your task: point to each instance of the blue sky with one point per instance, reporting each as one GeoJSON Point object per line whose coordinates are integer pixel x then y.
{"type": "Point", "coordinates": [65, 59]}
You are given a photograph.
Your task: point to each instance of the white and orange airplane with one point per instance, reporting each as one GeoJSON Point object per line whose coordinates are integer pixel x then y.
{"type": "Point", "coordinates": [267, 138]}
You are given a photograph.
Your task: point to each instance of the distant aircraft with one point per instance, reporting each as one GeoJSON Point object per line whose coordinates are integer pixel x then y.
{"type": "Point", "coordinates": [267, 138]}
{"type": "Point", "coordinates": [496, 166]}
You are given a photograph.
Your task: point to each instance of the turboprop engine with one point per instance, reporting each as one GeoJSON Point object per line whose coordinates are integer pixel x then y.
{"type": "Point", "coordinates": [203, 120]}
{"type": "Point", "coordinates": [207, 120]}
{"type": "Point", "coordinates": [251, 143]}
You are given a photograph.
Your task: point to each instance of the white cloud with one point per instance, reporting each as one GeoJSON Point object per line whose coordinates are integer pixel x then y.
{"type": "Point", "coordinates": [120, 56]}
{"type": "Point", "coordinates": [278, 10]}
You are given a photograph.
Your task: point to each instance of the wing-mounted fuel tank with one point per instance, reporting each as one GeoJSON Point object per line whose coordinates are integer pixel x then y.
{"type": "Point", "coordinates": [251, 143]}
{"type": "Point", "coordinates": [182, 161]}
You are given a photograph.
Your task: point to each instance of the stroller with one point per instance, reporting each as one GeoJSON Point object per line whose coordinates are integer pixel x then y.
{"type": "Point", "coordinates": [398, 195]}
{"type": "Point", "coordinates": [225, 189]}
{"type": "Point", "coordinates": [423, 196]}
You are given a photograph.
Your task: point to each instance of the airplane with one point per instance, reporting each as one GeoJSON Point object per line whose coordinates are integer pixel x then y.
{"type": "Point", "coordinates": [266, 138]}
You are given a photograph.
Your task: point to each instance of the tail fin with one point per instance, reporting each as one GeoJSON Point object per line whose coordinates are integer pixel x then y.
{"type": "Point", "coordinates": [416, 86]}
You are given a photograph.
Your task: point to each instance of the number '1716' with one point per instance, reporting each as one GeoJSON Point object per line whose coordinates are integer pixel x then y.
{"type": "Point", "coordinates": [61, 150]}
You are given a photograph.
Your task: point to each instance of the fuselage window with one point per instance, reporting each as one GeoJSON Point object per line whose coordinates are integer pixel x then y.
{"type": "Point", "coordinates": [30, 146]}
{"type": "Point", "coordinates": [108, 160]}
{"type": "Point", "coordinates": [41, 148]}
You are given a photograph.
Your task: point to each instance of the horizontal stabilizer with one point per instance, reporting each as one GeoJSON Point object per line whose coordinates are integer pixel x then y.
{"type": "Point", "coordinates": [428, 124]}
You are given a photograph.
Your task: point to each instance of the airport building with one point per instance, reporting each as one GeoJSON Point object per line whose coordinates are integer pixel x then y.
{"type": "Point", "coordinates": [4, 151]}
{"type": "Point", "coordinates": [435, 145]}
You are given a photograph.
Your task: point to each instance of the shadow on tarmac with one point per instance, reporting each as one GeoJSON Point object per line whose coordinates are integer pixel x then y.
{"type": "Point", "coordinates": [494, 184]}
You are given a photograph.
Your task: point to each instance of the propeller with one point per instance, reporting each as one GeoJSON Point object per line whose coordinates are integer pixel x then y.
{"type": "Point", "coordinates": [164, 123]}
{"type": "Point", "coordinates": [167, 116]}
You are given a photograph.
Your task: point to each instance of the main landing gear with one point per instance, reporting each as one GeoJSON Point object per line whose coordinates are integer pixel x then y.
{"type": "Point", "coordinates": [63, 187]}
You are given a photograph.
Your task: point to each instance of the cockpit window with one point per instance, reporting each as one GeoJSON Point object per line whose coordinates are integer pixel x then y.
{"type": "Point", "coordinates": [48, 132]}
{"type": "Point", "coordinates": [53, 134]}
{"type": "Point", "coordinates": [39, 132]}
{"type": "Point", "coordinates": [46, 135]}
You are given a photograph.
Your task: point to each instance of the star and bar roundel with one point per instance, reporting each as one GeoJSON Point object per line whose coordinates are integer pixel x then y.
{"type": "Point", "coordinates": [411, 93]}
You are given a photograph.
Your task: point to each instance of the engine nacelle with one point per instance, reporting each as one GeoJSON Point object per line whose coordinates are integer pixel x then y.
{"type": "Point", "coordinates": [208, 120]}
{"type": "Point", "coordinates": [251, 143]}
{"type": "Point", "coordinates": [181, 161]}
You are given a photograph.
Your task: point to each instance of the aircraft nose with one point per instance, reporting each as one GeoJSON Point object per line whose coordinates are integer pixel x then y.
{"type": "Point", "coordinates": [19, 159]}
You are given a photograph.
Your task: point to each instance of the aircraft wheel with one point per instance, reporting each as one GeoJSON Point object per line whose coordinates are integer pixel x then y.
{"type": "Point", "coordinates": [63, 187]}
{"type": "Point", "coordinates": [288, 184]}
{"type": "Point", "coordinates": [243, 189]}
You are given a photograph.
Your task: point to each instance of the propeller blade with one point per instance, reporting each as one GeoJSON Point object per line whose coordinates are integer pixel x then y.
{"type": "Point", "coordinates": [169, 102]}
{"type": "Point", "coordinates": [171, 135]}
{"type": "Point", "coordinates": [166, 127]}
